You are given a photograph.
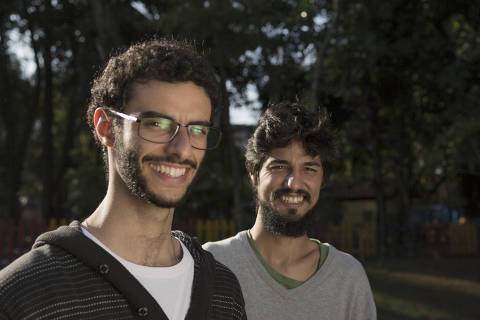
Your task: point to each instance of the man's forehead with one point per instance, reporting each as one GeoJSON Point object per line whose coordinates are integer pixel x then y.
{"type": "Point", "coordinates": [175, 100]}
{"type": "Point", "coordinates": [290, 158]}
{"type": "Point", "coordinates": [306, 159]}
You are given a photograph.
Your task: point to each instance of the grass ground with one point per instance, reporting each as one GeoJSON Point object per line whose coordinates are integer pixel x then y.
{"type": "Point", "coordinates": [426, 289]}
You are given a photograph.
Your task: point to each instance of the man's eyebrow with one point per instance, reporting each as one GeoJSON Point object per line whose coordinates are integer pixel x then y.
{"type": "Point", "coordinates": [153, 114]}
{"type": "Point", "coordinates": [278, 161]}
{"type": "Point", "coordinates": [313, 164]}
{"type": "Point", "coordinates": [158, 114]}
{"type": "Point", "coordinates": [201, 123]}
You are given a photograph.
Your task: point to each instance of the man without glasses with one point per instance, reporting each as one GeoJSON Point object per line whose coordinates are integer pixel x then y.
{"type": "Point", "coordinates": [283, 273]}
{"type": "Point", "coordinates": [151, 111]}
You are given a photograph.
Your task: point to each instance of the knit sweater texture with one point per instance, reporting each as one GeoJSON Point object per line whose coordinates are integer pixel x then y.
{"type": "Point", "coordinates": [339, 290]}
{"type": "Point", "coordinates": [68, 276]}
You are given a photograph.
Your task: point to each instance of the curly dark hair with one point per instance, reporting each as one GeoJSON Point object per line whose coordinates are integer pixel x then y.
{"type": "Point", "coordinates": [284, 122]}
{"type": "Point", "coordinates": [157, 59]}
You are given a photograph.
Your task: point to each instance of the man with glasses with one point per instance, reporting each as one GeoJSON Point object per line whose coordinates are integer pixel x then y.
{"type": "Point", "coordinates": [151, 112]}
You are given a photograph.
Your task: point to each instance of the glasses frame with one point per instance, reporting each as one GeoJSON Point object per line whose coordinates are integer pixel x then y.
{"type": "Point", "coordinates": [139, 120]}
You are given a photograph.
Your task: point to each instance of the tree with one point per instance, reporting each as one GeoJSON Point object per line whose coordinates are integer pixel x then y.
{"type": "Point", "coordinates": [399, 79]}
{"type": "Point", "coordinates": [17, 114]}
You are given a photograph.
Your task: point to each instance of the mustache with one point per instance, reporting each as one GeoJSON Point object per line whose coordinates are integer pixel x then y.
{"type": "Point", "coordinates": [170, 159]}
{"type": "Point", "coordinates": [285, 191]}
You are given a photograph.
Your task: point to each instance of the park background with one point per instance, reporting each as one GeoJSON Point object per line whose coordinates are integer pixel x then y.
{"type": "Point", "coordinates": [401, 80]}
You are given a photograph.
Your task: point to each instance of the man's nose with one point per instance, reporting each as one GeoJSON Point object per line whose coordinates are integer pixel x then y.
{"type": "Point", "coordinates": [294, 181]}
{"type": "Point", "coordinates": [180, 145]}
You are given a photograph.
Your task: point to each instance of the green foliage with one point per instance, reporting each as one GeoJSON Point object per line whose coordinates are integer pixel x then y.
{"type": "Point", "coordinates": [400, 80]}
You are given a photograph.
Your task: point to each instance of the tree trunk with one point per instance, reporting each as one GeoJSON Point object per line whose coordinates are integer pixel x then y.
{"type": "Point", "coordinates": [11, 183]}
{"type": "Point", "coordinates": [232, 156]}
{"type": "Point", "coordinates": [403, 172]}
{"type": "Point", "coordinates": [48, 164]}
{"type": "Point", "coordinates": [108, 36]}
{"type": "Point", "coordinates": [379, 182]}
{"type": "Point", "coordinates": [76, 97]}
{"type": "Point", "coordinates": [321, 47]}
{"type": "Point", "coordinates": [17, 132]}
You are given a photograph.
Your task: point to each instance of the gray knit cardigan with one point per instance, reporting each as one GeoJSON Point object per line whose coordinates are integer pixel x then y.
{"type": "Point", "coordinates": [68, 276]}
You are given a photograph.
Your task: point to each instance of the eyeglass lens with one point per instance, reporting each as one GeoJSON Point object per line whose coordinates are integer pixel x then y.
{"type": "Point", "coordinates": [162, 130]}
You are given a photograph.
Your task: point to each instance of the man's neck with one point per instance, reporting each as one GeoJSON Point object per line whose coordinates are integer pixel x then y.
{"type": "Point", "coordinates": [135, 230]}
{"type": "Point", "coordinates": [294, 257]}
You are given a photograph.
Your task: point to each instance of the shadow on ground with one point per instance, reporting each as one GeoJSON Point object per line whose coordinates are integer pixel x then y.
{"type": "Point", "coordinates": [406, 290]}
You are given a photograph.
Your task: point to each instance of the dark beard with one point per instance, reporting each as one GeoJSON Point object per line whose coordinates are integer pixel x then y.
{"type": "Point", "coordinates": [131, 173]}
{"type": "Point", "coordinates": [283, 225]}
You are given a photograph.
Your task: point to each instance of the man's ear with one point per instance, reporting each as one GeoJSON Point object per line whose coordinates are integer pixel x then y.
{"type": "Point", "coordinates": [103, 127]}
{"type": "Point", "coordinates": [253, 180]}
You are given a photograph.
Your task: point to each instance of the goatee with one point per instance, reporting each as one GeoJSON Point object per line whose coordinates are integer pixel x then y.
{"type": "Point", "coordinates": [285, 225]}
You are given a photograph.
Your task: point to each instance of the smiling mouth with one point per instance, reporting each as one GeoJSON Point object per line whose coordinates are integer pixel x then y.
{"type": "Point", "coordinates": [169, 171]}
{"type": "Point", "coordinates": [291, 199]}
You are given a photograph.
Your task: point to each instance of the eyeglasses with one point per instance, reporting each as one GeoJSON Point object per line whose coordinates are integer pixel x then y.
{"type": "Point", "coordinates": [159, 129]}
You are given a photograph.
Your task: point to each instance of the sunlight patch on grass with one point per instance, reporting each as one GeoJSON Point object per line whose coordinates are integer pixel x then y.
{"type": "Point", "coordinates": [409, 309]}
{"type": "Point", "coordinates": [450, 284]}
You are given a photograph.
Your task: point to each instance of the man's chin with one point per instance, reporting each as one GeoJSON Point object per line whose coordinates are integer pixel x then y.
{"type": "Point", "coordinates": [164, 202]}
{"type": "Point", "coordinates": [162, 197]}
{"type": "Point", "coordinates": [288, 214]}
{"type": "Point", "coordinates": [286, 223]}
{"type": "Point", "coordinates": [157, 199]}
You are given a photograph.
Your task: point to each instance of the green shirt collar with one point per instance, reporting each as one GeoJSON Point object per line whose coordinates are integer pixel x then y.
{"type": "Point", "coordinates": [286, 282]}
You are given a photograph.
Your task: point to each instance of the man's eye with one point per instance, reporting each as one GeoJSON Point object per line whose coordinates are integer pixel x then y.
{"type": "Point", "coordinates": [277, 167]}
{"type": "Point", "coordinates": [159, 123]}
{"type": "Point", "coordinates": [310, 169]}
{"type": "Point", "coordinates": [199, 130]}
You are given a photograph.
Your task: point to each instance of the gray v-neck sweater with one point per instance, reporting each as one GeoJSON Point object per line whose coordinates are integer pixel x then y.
{"type": "Point", "coordinates": [338, 290]}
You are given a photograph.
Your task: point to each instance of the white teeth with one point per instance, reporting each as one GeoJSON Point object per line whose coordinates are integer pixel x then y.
{"type": "Point", "coordinates": [169, 171]}
{"type": "Point", "coordinates": [290, 199]}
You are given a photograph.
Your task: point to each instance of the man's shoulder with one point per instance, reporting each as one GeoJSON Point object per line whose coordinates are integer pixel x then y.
{"type": "Point", "coordinates": [222, 272]}
{"type": "Point", "coordinates": [344, 263]}
{"type": "Point", "coordinates": [225, 245]}
{"type": "Point", "coordinates": [48, 276]}
{"type": "Point", "coordinates": [54, 255]}
{"type": "Point", "coordinates": [231, 251]}
{"type": "Point", "coordinates": [38, 262]}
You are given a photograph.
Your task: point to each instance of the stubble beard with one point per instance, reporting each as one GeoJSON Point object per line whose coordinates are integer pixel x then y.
{"type": "Point", "coordinates": [128, 165]}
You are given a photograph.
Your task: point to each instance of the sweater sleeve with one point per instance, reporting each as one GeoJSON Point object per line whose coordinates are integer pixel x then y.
{"type": "Point", "coordinates": [363, 305]}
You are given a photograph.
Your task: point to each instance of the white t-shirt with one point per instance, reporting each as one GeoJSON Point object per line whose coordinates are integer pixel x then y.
{"type": "Point", "coordinates": [170, 286]}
